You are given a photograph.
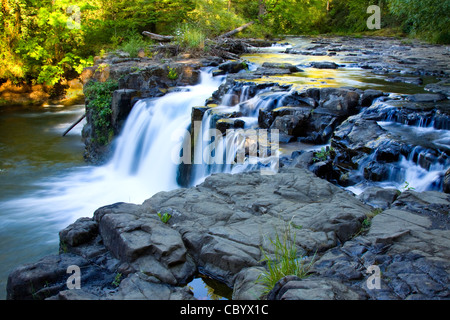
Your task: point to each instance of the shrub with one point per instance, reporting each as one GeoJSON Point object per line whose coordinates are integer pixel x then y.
{"type": "Point", "coordinates": [323, 154]}
{"type": "Point", "coordinates": [190, 37]}
{"type": "Point", "coordinates": [99, 96]}
{"type": "Point", "coordinates": [172, 75]}
{"type": "Point", "coordinates": [133, 45]}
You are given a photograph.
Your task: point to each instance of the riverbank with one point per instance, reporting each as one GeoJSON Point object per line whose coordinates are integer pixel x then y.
{"type": "Point", "coordinates": [222, 227]}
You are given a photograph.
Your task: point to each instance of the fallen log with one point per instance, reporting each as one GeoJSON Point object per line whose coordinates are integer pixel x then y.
{"type": "Point", "coordinates": [237, 30]}
{"type": "Point", "coordinates": [74, 125]}
{"type": "Point", "coordinates": [158, 37]}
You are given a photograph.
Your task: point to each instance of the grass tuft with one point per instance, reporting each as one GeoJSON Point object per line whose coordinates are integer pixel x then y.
{"type": "Point", "coordinates": [284, 261]}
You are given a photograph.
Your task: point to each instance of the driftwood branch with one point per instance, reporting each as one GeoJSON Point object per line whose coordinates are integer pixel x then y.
{"type": "Point", "coordinates": [74, 125]}
{"type": "Point", "coordinates": [158, 37]}
{"type": "Point", "coordinates": [223, 46]}
{"type": "Point", "coordinates": [237, 30]}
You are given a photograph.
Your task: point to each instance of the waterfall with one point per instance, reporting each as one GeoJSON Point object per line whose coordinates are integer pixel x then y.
{"type": "Point", "coordinates": [421, 165]}
{"type": "Point", "coordinates": [238, 149]}
{"type": "Point", "coordinates": [154, 133]}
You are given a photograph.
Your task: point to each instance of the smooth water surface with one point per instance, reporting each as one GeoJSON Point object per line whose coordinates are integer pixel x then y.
{"type": "Point", "coordinates": [32, 154]}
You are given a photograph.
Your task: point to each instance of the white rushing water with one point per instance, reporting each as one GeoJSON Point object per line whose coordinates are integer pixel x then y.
{"type": "Point", "coordinates": [142, 163]}
{"type": "Point", "coordinates": [407, 172]}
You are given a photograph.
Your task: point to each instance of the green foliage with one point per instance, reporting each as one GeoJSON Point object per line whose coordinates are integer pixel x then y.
{"type": "Point", "coordinates": [43, 41]}
{"type": "Point", "coordinates": [407, 187]}
{"type": "Point", "coordinates": [99, 96]}
{"type": "Point", "coordinates": [351, 16]}
{"type": "Point", "coordinates": [426, 18]}
{"type": "Point", "coordinates": [134, 44]}
{"type": "Point", "coordinates": [164, 217]}
{"type": "Point", "coordinates": [117, 280]}
{"type": "Point", "coordinates": [172, 75]}
{"type": "Point", "coordinates": [190, 37]}
{"type": "Point", "coordinates": [284, 261]}
{"type": "Point", "coordinates": [324, 154]}
{"type": "Point", "coordinates": [214, 18]}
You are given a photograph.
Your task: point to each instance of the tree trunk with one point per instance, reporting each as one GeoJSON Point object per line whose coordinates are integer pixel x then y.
{"type": "Point", "coordinates": [237, 30]}
{"type": "Point", "coordinates": [74, 125]}
{"type": "Point", "coordinates": [262, 10]}
{"type": "Point", "coordinates": [158, 37]}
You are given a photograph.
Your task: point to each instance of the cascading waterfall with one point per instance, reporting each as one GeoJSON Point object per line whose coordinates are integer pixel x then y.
{"type": "Point", "coordinates": [148, 146]}
{"type": "Point", "coordinates": [142, 163]}
{"type": "Point", "coordinates": [417, 169]}
{"type": "Point", "coordinates": [421, 168]}
{"type": "Point", "coordinates": [237, 150]}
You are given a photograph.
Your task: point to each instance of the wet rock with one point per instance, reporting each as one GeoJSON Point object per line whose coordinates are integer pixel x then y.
{"type": "Point", "coordinates": [48, 276]}
{"type": "Point", "coordinates": [227, 124]}
{"type": "Point", "coordinates": [324, 65]}
{"type": "Point", "coordinates": [432, 204]}
{"type": "Point", "coordinates": [424, 114]}
{"type": "Point", "coordinates": [379, 197]}
{"type": "Point", "coordinates": [290, 121]}
{"type": "Point", "coordinates": [426, 97]}
{"type": "Point", "coordinates": [276, 65]}
{"type": "Point", "coordinates": [146, 243]}
{"type": "Point", "coordinates": [265, 119]}
{"type": "Point", "coordinates": [217, 228]}
{"type": "Point", "coordinates": [303, 160]}
{"type": "Point", "coordinates": [389, 151]}
{"type": "Point", "coordinates": [402, 244]}
{"type": "Point", "coordinates": [197, 113]}
{"type": "Point", "coordinates": [289, 124]}
{"type": "Point", "coordinates": [442, 87]}
{"type": "Point", "coordinates": [339, 101]}
{"type": "Point", "coordinates": [447, 182]}
{"type": "Point", "coordinates": [376, 171]}
{"type": "Point", "coordinates": [369, 96]}
{"type": "Point", "coordinates": [121, 106]}
{"type": "Point", "coordinates": [247, 286]}
{"type": "Point", "coordinates": [138, 287]}
{"type": "Point", "coordinates": [354, 137]}
{"type": "Point", "coordinates": [80, 232]}
{"type": "Point", "coordinates": [314, 288]}
{"type": "Point", "coordinates": [222, 249]}
{"type": "Point", "coordinates": [411, 80]}
{"type": "Point", "coordinates": [233, 66]}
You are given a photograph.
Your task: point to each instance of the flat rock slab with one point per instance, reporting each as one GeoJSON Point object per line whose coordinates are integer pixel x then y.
{"type": "Point", "coordinates": [225, 221]}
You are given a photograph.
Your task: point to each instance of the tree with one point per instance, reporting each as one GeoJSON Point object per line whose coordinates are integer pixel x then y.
{"type": "Point", "coordinates": [291, 16]}
{"type": "Point", "coordinates": [428, 18]}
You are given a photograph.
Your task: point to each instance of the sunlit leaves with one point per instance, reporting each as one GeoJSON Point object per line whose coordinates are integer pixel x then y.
{"type": "Point", "coordinates": [428, 17]}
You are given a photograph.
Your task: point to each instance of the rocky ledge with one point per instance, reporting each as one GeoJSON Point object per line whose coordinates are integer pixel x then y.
{"type": "Point", "coordinates": [220, 228]}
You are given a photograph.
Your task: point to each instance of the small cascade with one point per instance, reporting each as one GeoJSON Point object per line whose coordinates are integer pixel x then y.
{"type": "Point", "coordinates": [243, 146]}
{"type": "Point", "coordinates": [415, 155]}
{"type": "Point", "coordinates": [400, 112]}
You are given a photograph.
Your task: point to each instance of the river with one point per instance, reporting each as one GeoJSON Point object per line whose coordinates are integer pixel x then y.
{"type": "Point", "coordinates": [45, 184]}
{"type": "Point", "coordinates": [34, 160]}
